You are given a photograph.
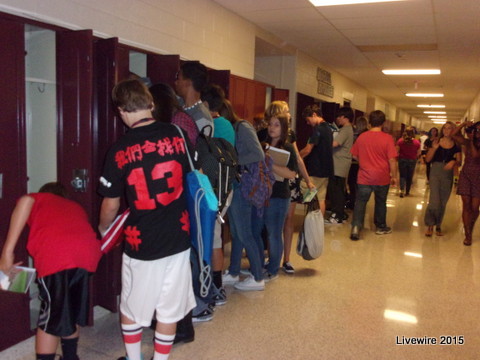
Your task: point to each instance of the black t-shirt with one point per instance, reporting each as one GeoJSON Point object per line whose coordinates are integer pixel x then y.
{"type": "Point", "coordinates": [281, 189]}
{"type": "Point", "coordinates": [445, 155]}
{"type": "Point", "coordinates": [319, 162]}
{"type": "Point", "coordinates": [149, 164]}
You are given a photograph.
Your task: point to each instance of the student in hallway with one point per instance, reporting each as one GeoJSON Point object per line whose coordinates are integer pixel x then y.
{"type": "Point", "coordinates": [65, 251]}
{"type": "Point", "coordinates": [443, 155]}
{"type": "Point", "coordinates": [342, 159]}
{"type": "Point", "coordinates": [317, 154]}
{"type": "Point", "coordinates": [149, 164]}
{"type": "Point", "coordinates": [377, 159]}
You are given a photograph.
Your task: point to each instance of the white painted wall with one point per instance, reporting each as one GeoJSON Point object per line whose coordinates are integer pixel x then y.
{"type": "Point", "coordinates": [307, 83]}
{"type": "Point", "coordinates": [194, 29]}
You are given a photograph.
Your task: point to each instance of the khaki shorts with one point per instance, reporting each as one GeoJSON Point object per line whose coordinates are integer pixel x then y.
{"type": "Point", "coordinates": [162, 286]}
{"type": "Point", "coordinates": [321, 185]}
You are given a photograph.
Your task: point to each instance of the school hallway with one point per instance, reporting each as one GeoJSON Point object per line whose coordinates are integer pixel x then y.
{"type": "Point", "coordinates": [367, 299]}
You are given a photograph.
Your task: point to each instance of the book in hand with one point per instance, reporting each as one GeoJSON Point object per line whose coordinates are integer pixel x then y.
{"type": "Point", "coordinates": [19, 281]}
{"type": "Point", "coordinates": [309, 195]}
{"type": "Point", "coordinates": [113, 235]}
{"type": "Point", "coordinates": [279, 157]}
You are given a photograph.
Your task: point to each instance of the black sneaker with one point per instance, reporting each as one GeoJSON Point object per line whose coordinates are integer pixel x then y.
{"type": "Point", "coordinates": [219, 296]}
{"type": "Point", "coordinates": [288, 268]}
{"type": "Point", "coordinates": [205, 315]}
{"type": "Point", "coordinates": [355, 234]}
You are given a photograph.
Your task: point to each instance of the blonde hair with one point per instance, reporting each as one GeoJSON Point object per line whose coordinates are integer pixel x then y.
{"type": "Point", "coordinates": [277, 107]}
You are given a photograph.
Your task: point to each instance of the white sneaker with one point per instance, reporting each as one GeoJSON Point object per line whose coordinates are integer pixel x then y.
{"type": "Point", "coordinates": [249, 284]}
{"type": "Point", "coordinates": [228, 279]}
{"type": "Point", "coordinates": [245, 272]}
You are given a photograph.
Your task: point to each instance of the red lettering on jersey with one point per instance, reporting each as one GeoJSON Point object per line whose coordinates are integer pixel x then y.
{"type": "Point", "coordinates": [185, 221]}
{"type": "Point", "coordinates": [149, 147]}
{"type": "Point", "coordinates": [134, 153]}
{"type": "Point", "coordinates": [179, 145]}
{"type": "Point", "coordinates": [138, 180]}
{"type": "Point", "coordinates": [132, 236]}
{"type": "Point", "coordinates": [165, 147]}
{"type": "Point", "coordinates": [172, 171]}
{"type": "Point", "coordinates": [121, 159]}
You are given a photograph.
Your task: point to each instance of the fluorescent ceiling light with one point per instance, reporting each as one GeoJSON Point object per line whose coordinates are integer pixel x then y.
{"type": "Point", "coordinates": [412, 254]}
{"type": "Point", "coordinates": [435, 112]}
{"type": "Point", "coordinates": [400, 316]}
{"type": "Point", "coordinates": [439, 121]}
{"type": "Point", "coordinates": [438, 116]}
{"type": "Point", "coordinates": [412, 72]}
{"type": "Point", "coordinates": [424, 95]}
{"type": "Point", "coordinates": [346, 2]}
{"type": "Point", "coordinates": [431, 106]}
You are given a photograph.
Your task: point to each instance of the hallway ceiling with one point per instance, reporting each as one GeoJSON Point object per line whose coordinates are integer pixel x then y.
{"type": "Point", "coordinates": [359, 41]}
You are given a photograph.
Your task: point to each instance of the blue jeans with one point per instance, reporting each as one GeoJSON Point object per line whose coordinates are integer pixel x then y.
{"type": "Point", "coordinates": [273, 218]}
{"type": "Point", "coordinates": [380, 212]}
{"type": "Point", "coordinates": [242, 215]}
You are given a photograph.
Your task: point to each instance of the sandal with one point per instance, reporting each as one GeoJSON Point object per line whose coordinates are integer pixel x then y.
{"type": "Point", "coordinates": [438, 232]}
{"type": "Point", "coordinates": [429, 231]}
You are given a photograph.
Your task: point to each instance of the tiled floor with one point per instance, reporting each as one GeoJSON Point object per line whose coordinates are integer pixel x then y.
{"type": "Point", "coordinates": [359, 300]}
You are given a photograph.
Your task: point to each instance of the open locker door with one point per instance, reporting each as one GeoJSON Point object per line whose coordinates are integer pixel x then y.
{"type": "Point", "coordinates": [14, 307]}
{"type": "Point", "coordinates": [75, 145]}
{"type": "Point", "coordinates": [110, 66]}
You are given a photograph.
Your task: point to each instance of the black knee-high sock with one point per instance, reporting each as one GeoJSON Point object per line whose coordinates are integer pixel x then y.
{"type": "Point", "coordinates": [69, 349]}
{"type": "Point", "coordinates": [217, 279]}
{"type": "Point", "coordinates": [46, 356]}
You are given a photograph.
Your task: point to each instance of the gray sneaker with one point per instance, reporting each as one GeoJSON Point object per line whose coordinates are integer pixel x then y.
{"type": "Point", "coordinates": [269, 277]}
{"type": "Point", "coordinates": [383, 230]}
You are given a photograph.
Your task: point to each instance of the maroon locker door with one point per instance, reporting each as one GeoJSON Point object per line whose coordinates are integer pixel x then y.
{"type": "Point", "coordinates": [280, 94]}
{"type": "Point", "coordinates": [75, 146]}
{"type": "Point", "coordinates": [75, 123]}
{"type": "Point", "coordinates": [302, 129]}
{"type": "Point", "coordinates": [14, 308]}
{"type": "Point", "coordinates": [110, 66]}
{"type": "Point", "coordinates": [163, 68]}
{"type": "Point", "coordinates": [220, 78]}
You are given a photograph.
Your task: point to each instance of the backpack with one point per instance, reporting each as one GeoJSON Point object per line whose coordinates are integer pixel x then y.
{"type": "Point", "coordinates": [219, 161]}
{"type": "Point", "coordinates": [257, 180]}
{"type": "Point", "coordinates": [311, 237]}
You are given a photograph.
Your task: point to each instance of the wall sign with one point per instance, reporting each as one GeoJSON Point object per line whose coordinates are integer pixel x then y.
{"type": "Point", "coordinates": [325, 86]}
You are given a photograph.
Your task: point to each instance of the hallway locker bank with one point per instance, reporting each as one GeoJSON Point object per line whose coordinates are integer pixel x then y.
{"type": "Point", "coordinates": [58, 123]}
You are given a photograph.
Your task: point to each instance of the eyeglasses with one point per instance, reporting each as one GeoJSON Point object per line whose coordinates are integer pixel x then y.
{"type": "Point", "coordinates": [177, 74]}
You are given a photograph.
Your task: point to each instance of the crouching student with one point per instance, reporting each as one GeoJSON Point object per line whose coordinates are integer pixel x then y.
{"type": "Point", "coordinates": [65, 251]}
{"type": "Point", "coordinates": [149, 164]}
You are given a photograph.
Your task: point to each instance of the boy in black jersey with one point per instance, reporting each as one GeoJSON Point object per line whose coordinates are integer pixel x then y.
{"type": "Point", "coordinates": [149, 165]}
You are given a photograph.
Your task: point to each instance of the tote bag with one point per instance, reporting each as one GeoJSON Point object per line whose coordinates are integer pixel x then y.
{"type": "Point", "coordinates": [311, 237]}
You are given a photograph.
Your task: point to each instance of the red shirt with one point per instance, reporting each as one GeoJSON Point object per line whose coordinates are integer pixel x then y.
{"type": "Point", "coordinates": [60, 236]}
{"type": "Point", "coordinates": [408, 150]}
{"type": "Point", "coordinates": [374, 149]}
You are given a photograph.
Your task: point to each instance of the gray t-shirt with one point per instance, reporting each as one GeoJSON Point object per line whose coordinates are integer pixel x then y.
{"type": "Point", "coordinates": [342, 158]}
{"type": "Point", "coordinates": [199, 113]}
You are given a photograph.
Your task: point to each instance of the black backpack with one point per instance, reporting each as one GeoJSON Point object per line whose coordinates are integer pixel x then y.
{"type": "Point", "coordinates": [218, 160]}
